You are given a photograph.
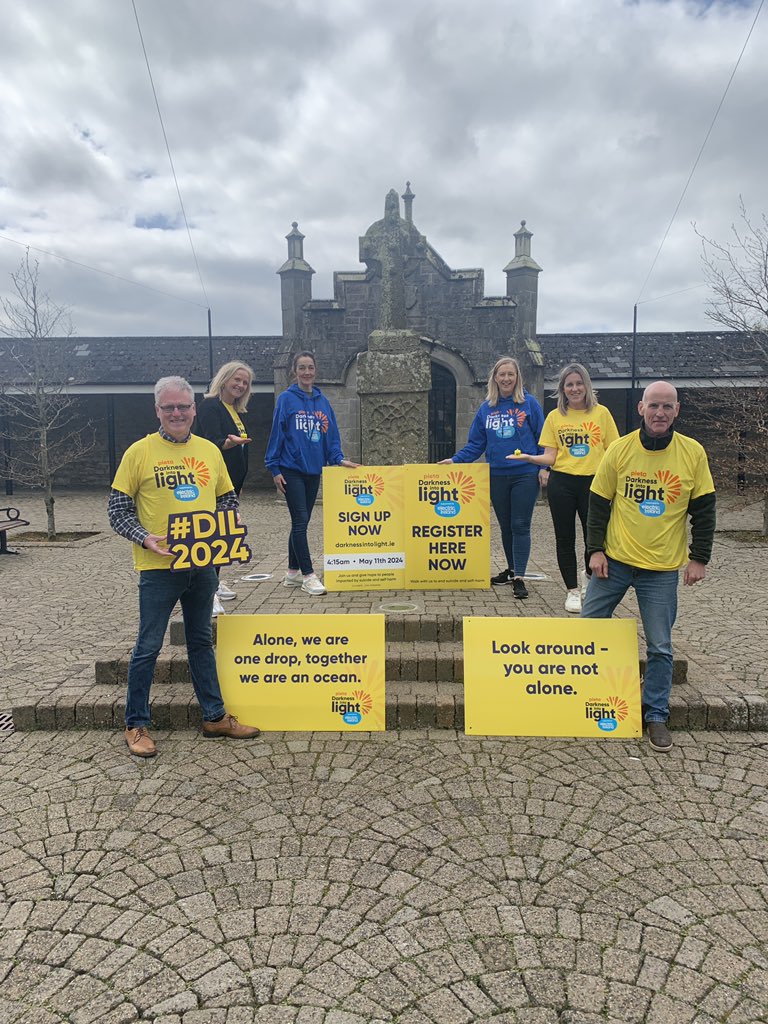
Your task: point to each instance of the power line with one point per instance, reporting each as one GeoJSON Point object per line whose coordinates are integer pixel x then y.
{"type": "Point", "coordinates": [97, 270]}
{"type": "Point", "coordinates": [698, 157]}
{"type": "Point", "coordinates": [168, 149]}
{"type": "Point", "coordinates": [668, 295]}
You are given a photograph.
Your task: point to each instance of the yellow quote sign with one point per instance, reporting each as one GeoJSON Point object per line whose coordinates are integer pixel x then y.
{"type": "Point", "coordinates": [447, 531]}
{"type": "Point", "coordinates": [197, 539]}
{"type": "Point", "coordinates": [304, 673]}
{"type": "Point", "coordinates": [551, 677]}
{"type": "Point", "coordinates": [363, 528]}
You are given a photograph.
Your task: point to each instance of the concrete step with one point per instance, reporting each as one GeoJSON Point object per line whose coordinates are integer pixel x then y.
{"type": "Point", "coordinates": [419, 661]}
{"type": "Point", "coordinates": [409, 705]}
{"type": "Point", "coordinates": [405, 627]}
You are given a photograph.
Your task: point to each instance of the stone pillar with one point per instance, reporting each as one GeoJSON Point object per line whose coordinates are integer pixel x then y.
{"type": "Point", "coordinates": [393, 382]}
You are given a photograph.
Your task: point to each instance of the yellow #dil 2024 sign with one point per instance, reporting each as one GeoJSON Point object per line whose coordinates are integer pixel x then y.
{"type": "Point", "coordinates": [363, 528]}
{"type": "Point", "coordinates": [551, 677]}
{"type": "Point", "coordinates": [306, 673]}
{"type": "Point", "coordinates": [197, 539]}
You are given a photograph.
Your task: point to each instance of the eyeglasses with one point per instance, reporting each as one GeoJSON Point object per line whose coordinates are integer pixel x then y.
{"type": "Point", "coordinates": [176, 405]}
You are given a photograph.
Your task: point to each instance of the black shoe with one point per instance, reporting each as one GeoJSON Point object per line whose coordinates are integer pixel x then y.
{"type": "Point", "coordinates": [659, 737]}
{"type": "Point", "coordinates": [519, 589]}
{"type": "Point", "coordinates": [502, 579]}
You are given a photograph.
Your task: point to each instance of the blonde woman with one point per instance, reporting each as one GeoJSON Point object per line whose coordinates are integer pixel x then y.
{"type": "Point", "coordinates": [575, 437]}
{"type": "Point", "coordinates": [218, 420]}
{"type": "Point", "coordinates": [510, 419]}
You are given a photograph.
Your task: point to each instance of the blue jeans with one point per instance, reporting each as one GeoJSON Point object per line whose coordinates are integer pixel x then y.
{"type": "Point", "coordinates": [657, 599]}
{"type": "Point", "coordinates": [513, 499]}
{"type": "Point", "coordinates": [300, 494]}
{"type": "Point", "coordinates": [159, 591]}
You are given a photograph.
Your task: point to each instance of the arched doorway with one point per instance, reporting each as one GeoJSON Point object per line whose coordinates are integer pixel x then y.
{"type": "Point", "coordinates": [442, 414]}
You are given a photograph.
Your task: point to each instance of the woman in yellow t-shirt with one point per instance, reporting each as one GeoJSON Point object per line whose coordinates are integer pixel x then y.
{"type": "Point", "coordinates": [575, 437]}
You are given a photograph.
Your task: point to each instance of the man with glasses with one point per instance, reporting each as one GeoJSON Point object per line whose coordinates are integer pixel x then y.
{"type": "Point", "coordinates": [171, 471]}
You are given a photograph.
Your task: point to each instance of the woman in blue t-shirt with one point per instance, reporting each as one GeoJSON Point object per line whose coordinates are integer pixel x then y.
{"type": "Point", "coordinates": [304, 438]}
{"type": "Point", "coordinates": [508, 421]}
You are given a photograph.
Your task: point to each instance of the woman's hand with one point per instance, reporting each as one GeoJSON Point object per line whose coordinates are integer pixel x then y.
{"type": "Point", "coordinates": [279, 483]}
{"type": "Point", "coordinates": [543, 477]}
{"type": "Point", "coordinates": [233, 440]}
{"type": "Point", "coordinates": [445, 462]}
{"type": "Point", "coordinates": [348, 464]}
{"type": "Point", "coordinates": [519, 456]}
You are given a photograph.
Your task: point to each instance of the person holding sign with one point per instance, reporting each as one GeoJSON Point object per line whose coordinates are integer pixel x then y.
{"type": "Point", "coordinates": [172, 471]}
{"type": "Point", "coordinates": [509, 420]}
{"type": "Point", "coordinates": [218, 420]}
{"type": "Point", "coordinates": [644, 490]}
{"type": "Point", "coordinates": [304, 438]}
{"type": "Point", "coordinates": [575, 437]}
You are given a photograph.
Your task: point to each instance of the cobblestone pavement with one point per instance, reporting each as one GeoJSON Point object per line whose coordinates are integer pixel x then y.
{"type": "Point", "coordinates": [423, 878]}
{"type": "Point", "coordinates": [413, 877]}
{"type": "Point", "coordinates": [64, 609]}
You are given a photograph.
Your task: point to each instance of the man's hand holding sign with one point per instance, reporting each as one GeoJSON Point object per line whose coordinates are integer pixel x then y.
{"type": "Point", "coordinates": [197, 539]}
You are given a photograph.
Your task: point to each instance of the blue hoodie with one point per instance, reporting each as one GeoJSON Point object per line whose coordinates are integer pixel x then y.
{"type": "Point", "coordinates": [304, 434]}
{"type": "Point", "coordinates": [499, 430]}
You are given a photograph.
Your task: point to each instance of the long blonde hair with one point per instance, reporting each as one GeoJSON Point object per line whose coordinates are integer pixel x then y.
{"type": "Point", "coordinates": [492, 395]}
{"type": "Point", "coordinates": [590, 395]}
{"type": "Point", "coordinates": [227, 371]}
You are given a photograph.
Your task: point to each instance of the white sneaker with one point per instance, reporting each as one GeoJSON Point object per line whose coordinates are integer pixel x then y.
{"type": "Point", "coordinates": [573, 602]}
{"type": "Point", "coordinates": [224, 593]}
{"type": "Point", "coordinates": [584, 583]}
{"type": "Point", "coordinates": [218, 607]}
{"type": "Point", "coordinates": [313, 585]}
{"type": "Point", "coordinates": [293, 578]}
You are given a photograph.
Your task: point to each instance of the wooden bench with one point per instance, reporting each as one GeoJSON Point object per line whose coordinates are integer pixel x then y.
{"type": "Point", "coordinates": [10, 518]}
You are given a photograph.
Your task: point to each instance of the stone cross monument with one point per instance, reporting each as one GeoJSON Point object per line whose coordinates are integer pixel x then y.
{"type": "Point", "coordinates": [393, 376]}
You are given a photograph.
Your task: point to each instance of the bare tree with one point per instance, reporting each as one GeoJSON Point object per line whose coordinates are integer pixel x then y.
{"type": "Point", "coordinates": [45, 425]}
{"type": "Point", "coordinates": [737, 274]}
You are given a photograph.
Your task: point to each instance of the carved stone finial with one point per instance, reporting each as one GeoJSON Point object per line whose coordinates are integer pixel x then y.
{"type": "Point", "coordinates": [407, 198]}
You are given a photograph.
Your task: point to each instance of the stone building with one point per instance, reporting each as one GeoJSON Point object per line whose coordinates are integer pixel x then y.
{"type": "Point", "coordinates": [404, 288]}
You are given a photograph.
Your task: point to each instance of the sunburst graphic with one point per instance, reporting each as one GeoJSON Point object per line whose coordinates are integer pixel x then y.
{"type": "Point", "coordinates": [623, 685]}
{"type": "Point", "coordinates": [201, 471]}
{"type": "Point", "coordinates": [376, 482]}
{"type": "Point", "coordinates": [464, 483]}
{"type": "Point", "coordinates": [364, 700]}
{"type": "Point", "coordinates": [518, 415]}
{"type": "Point", "coordinates": [672, 486]}
{"type": "Point", "coordinates": [594, 431]}
{"type": "Point", "coordinates": [322, 420]}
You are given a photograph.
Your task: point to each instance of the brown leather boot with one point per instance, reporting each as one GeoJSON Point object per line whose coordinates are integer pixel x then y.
{"type": "Point", "coordinates": [229, 726]}
{"type": "Point", "coordinates": [140, 742]}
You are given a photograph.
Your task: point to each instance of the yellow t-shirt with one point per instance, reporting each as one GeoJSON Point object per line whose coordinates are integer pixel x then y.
{"type": "Point", "coordinates": [238, 422]}
{"type": "Point", "coordinates": [162, 478]}
{"type": "Point", "coordinates": [650, 492]}
{"type": "Point", "coordinates": [581, 438]}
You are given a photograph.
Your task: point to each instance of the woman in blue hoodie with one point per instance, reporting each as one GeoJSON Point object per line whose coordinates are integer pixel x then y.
{"type": "Point", "coordinates": [509, 421]}
{"type": "Point", "coordinates": [304, 438]}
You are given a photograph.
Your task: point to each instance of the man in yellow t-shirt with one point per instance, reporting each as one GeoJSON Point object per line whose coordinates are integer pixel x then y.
{"type": "Point", "coordinates": [644, 490]}
{"type": "Point", "coordinates": [171, 471]}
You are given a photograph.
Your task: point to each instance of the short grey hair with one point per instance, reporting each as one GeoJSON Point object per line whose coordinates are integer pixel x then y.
{"type": "Point", "coordinates": [173, 384]}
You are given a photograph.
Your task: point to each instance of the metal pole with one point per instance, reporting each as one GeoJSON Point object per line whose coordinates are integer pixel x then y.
{"type": "Point", "coordinates": [210, 346]}
{"type": "Point", "coordinates": [631, 403]}
{"type": "Point", "coordinates": [111, 452]}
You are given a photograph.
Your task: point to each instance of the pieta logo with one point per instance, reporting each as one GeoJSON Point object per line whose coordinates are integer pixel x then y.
{"type": "Point", "coordinates": [447, 496]}
{"type": "Point", "coordinates": [352, 708]}
{"type": "Point", "coordinates": [365, 490]}
{"type": "Point", "coordinates": [184, 480]}
{"type": "Point", "coordinates": [606, 713]}
{"type": "Point", "coordinates": [579, 440]}
{"type": "Point", "coordinates": [653, 494]}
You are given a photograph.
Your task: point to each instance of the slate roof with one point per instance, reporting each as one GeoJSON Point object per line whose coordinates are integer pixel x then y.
{"type": "Point", "coordinates": [675, 355]}
{"type": "Point", "coordinates": [125, 361]}
{"type": "Point", "coordinates": [679, 355]}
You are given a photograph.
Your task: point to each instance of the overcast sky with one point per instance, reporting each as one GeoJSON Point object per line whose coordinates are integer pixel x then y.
{"type": "Point", "coordinates": [582, 116]}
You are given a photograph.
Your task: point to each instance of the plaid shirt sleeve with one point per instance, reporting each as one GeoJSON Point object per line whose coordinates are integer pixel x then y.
{"type": "Point", "coordinates": [228, 500]}
{"type": "Point", "coordinates": [124, 519]}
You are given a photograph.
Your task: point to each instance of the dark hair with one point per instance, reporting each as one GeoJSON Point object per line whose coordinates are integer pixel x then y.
{"type": "Point", "coordinates": [297, 357]}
